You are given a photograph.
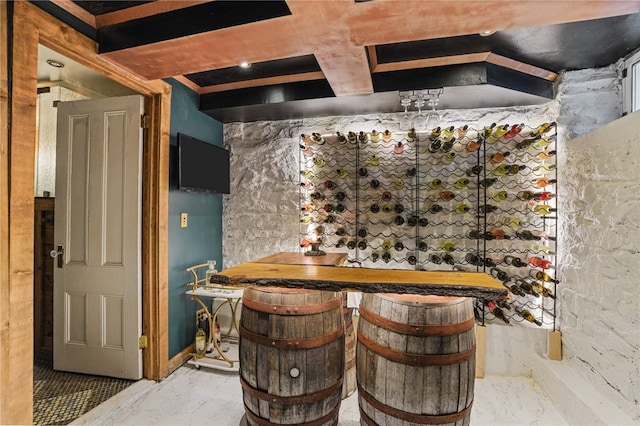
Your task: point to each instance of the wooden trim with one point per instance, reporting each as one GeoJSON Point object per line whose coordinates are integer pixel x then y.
{"type": "Point", "coordinates": [267, 81]}
{"type": "Point", "coordinates": [503, 61]}
{"type": "Point", "coordinates": [143, 10]}
{"type": "Point", "coordinates": [190, 84]}
{"type": "Point", "coordinates": [182, 357]}
{"type": "Point", "coordinates": [76, 11]}
{"type": "Point", "coordinates": [481, 350]}
{"type": "Point", "coordinates": [373, 58]}
{"type": "Point", "coordinates": [432, 62]}
{"type": "Point", "coordinates": [32, 26]}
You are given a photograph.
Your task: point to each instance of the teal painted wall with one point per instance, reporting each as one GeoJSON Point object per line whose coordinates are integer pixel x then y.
{"type": "Point", "coordinates": [202, 239]}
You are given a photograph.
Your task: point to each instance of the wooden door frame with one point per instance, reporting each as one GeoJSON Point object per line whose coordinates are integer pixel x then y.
{"type": "Point", "coordinates": [32, 26]}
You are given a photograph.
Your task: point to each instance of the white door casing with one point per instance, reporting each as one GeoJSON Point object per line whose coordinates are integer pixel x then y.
{"type": "Point", "coordinates": [97, 276]}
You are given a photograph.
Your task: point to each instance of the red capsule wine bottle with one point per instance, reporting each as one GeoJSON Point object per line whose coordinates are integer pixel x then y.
{"type": "Point", "coordinates": [515, 129]}
{"type": "Point", "coordinates": [497, 312]}
{"type": "Point", "coordinates": [541, 263]}
{"type": "Point", "coordinates": [329, 184]}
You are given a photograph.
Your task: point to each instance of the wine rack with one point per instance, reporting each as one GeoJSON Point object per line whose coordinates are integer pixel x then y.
{"type": "Point", "coordinates": [445, 199]}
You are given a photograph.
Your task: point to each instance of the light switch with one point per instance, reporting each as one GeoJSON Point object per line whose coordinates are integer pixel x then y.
{"type": "Point", "coordinates": [183, 220]}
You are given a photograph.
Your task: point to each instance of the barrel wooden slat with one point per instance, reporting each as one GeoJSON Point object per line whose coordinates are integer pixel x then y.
{"type": "Point", "coordinates": [432, 382]}
{"type": "Point", "coordinates": [275, 336]}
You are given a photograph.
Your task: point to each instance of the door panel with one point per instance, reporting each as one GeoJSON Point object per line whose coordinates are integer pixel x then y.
{"type": "Point", "coordinates": [97, 291]}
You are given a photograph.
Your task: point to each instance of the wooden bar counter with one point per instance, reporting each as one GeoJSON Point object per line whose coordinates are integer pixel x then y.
{"type": "Point", "coordinates": [286, 273]}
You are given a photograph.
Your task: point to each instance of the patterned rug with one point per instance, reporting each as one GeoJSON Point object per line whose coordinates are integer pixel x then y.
{"type": "Point", "coordinates": [60, 397]}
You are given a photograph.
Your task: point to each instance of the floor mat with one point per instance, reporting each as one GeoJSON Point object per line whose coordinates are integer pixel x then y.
{"type": "Point", "coordinates": [60, 397]}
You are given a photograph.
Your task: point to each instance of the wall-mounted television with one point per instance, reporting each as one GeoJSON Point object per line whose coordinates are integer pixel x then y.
{"type": "Point", "coordinates": [202, 166]}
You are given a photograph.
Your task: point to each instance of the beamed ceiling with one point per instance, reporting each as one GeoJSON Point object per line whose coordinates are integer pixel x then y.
{"type": "Point", "coordinates": [330, 57]}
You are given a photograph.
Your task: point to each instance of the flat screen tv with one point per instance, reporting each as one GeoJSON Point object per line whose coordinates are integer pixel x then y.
{"type": "Point", "coordinates": [202, 166]}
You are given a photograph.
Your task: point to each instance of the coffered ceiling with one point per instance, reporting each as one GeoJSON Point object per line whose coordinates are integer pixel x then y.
{"type": "Point", "coordinates": [326, 57]}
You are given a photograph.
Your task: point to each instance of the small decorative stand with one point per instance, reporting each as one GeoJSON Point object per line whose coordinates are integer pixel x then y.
{"type": "Point", "coordinates": [315, 250]}
{"type": "Point", "coordinates": [230, 296]}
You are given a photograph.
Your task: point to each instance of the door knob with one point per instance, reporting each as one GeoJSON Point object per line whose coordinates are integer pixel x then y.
{"type": "Point", "coordinates": [57, 253]}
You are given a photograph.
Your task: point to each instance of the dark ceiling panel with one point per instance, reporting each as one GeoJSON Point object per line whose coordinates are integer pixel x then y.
{"type": "Point", "coordinates": [514, 80]}
{"type": "Point", "coordinates": [421, 49]}
{"type": "Point", "coordinates": [266, 95]}
{"type": "Point", "coordinates": [429, 78]}
{"type": "Point", "coordinates": [102, 7]}
{"type": "Point", "coordinates": [196, 19]}
{"type": "Point", "coordinates": [278, 67]}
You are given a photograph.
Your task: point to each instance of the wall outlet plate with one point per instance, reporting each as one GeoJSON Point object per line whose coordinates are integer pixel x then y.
{"type": "Point", "coordinates": [183, 220]}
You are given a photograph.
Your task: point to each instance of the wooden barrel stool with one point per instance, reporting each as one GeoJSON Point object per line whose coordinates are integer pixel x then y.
{"type": "Point", "coordinates": [291, 356]}
{"type": "Point", "coordinates": [349, 382]}
{"type": "Point", "coordinates": [415, 360]}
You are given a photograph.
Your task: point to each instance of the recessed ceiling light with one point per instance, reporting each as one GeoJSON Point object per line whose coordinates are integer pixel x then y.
{"type": "Point", "coordinates": [245, 64]}
{"type": "Point", "coordinates": [487, 33]}
{"type": "Point", "coordinates": [55, 63]}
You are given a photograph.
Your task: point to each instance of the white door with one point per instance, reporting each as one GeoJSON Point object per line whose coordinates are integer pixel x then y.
{"type": "Point", "coordinates": [97, 274]}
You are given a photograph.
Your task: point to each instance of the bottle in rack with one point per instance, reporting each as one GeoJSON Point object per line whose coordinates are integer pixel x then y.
{"type": "Point", "coordinates": [449, 132]}
{"type": "Point", "coordinates": [341, 173]}
{"type": "Point", "coordinates": [543, 209]}
{"type": "Point", "coordinates": [499, 157]}
{"type": "Point", "coordinates": [541, 263]}
{"type": "Point", "coordinates": [411, 172]}
{"type": "Point", "coordinates": [543, 196]}
{"type": "Point", "coordinates": [543, 181]}
{"type": "Point", "coordinates": [546, 155]}
{"type": "Point", "coordinates": [524, 313]}
{"type": "Point", "coordinates": [447, 145]}
{"type": "Point", "coordinates": [317, 138]}
{"type": "Point", "coordinates": [461, 183]}
{"type": "Point", "coordinates": [514, 261]}
{"type": "Point", "coordinates": [514, 130]}
{"type": "Point", "coordinates": [462, 131]}
{"type": "Point", "coordinates": [473, 145]}
{"type": "Point", "coordinates": [545, 127]}
{"type": "Point", "coordinates": [544, 169]}
{"type": "Point", "coordinates": [435, 134]}
{"type": "Point", "coordinates": [375, 136]}
{"type": "Point", "coordinates": [497, 312]}
{"type": "Point", "coordinates": [542, 276]}
{"type": "Point", "coordinates": [475, 170]}
{"type": "Point", "coordinates": [386, 135]}
{"type": "Point", "coordinates": [412, 259]}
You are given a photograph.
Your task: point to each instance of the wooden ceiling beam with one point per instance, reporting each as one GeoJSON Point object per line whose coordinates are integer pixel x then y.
{"type": "Point", "coordinates": [144, 10]}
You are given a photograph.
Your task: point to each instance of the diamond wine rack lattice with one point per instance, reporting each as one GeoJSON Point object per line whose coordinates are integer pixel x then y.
{"type": "Point", "coordinates": [446, 199]}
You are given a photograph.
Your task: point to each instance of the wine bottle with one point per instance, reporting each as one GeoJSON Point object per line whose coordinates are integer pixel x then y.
{"type": "Point", "coordinates": [412, 259]}
{"type": "Point", "coordinates": [307, 150]}
{"type": "Point", "coordinates": [329, 208]}
{"type": "Point", "coordinates": [341, 231]}
{"type": "Point", "coordinates": [318, 161]}
{"type": "Point", "coordinates": [413, 220]}
{"type": "Point", "coordinates": [542, 290]}
{"type": "Point", "coordinates": [362, 244]}
{"type": "Point", "coordinates": [411, 133]}
{"type": "Point", "coordinates": [500, 275]}
{"type": "Point", "coordinates": [398, 208]}
{"type": "Point", "coordinates": [435, 145]}
{"type": "Point", "coordinates": [399, 220]}
{"type": "Point", "coordinates": [329, 184]}
{"type": "Point", "coordinates": [448, 246]}
{"type": "Point", "coordinates": [527, 235]}
{"type": "Point", "coordinates": [340, 208]}
{"type": "Point", "coordinates": [341, 173]}
{"type": "Point", "coordinates": [317, 195]}
{"type": "Point", "coordinates": [473, 145]}
{"type": "Point", "coordinates": [527, 287]}
{"type": "Point", "coordinates": [362, 137]}
{"type": "Point", "coordinates": [546, 155]}
{"type": "Point", "coordinates": [475, 170]}
{"type": "Point", "coordinates": [473, 259]}
{"type": "Point", "coordinates": [515, 289]}
{"type": "Point", "coordinates": [462, 208]}
{"type": "Point", "coordinates": [499, 234]}
{"type": "Point", "coordinates": [448, 131]}
{"type": "Point", "coordinates": [330, 219]}
{"type": "Point", "coordinates": [543, 181]}
{"type": "Point", "coordinates": [375, 208]}
{"type": "Point", "coordinates": [447, 195]}
{"type": "Point", "coordinates": [543, 196]}
{"type": "Point", "coordinates": [398, 246]}
{"type": "Point", "coordinates": [375, 136]}
{"type": "Point", "coordinates": [435, 184]}
{"type": "Point", "coordinates": [544, 169]}
{"type": "Point", "coordinates": [462, 131]}
{"type": "Point", "coordinates": [447, 145]}
{"type": "Point", "coordinates": [341, 242]}
{"type": "Point", "coordinates": [374, 256]}
{"type": "Point", "coordinates": [363, 232]}
{"type": "Point", "coordinates": [486, 183]}
{"type": "Point", "coordinates": [435, 208]}
{"type": "Point", "coordinates": [386, 257]}
{"type": "Point", "coordinates": [306, 219]}
{"type": "Point", "coordinates": [524, 313]}
{"type": "Point", "coordinates": [499, 157]}
{"type": "Point", "coordinates": [352, 137]}
{"type": "Point", "coordinates": [514, 169]}
{"type": "Point", "coordinates": [317, 138]}
{"type": "Point", "coordinates": [387, 208]}
{"type": "Point", "coordinates": [422, 246]}
{"type": "Point", "coordinates": [486, 132]}
{"type": "Point", "coordinates": [340, 137]}
{"type": "Point", "coordinates": [499, 196]}
{"type": "Point", "coordinates": [411, 172]}
{"type": "Point", "coordinates": [306, 138]}
{"type": "Point", "coordinates": [543, 209]}
{"type": "Point", "coordinates": [351, 245]}
{"type": "Point", "coordinates": [386, 135]}
{"type": "Point", "coordinates": [497, 312]}
{"type": "Point", "coordinates": [435, 134]}
{"type": "Point", "coordinates": [461, 183]}
{"type": "Point", "coordinates": [435, 258]}
{"type": "Point", "coordinates": [542, 276]}
{"type": "Point", "coordinates": [398, 148]}
{"type": "Point", "coordinates": [375, 183]}
{"type": "Point", "coordinates": [541, 263]}
{"type": "Point", "coordinates": [526, 143]}
{"type": "Point", "coordinates": [489, 262]}
{"type": "Point", "coordinates": [307, 174]}
{"type": "Point", "coordinates": [498, 133]}
{"type": "Point", "coordinates": [540, 249]}
{"type": "Point", "coordinates": [319, 230]}
{"type": "Point", "coordinates": [448, 259]}
{"type": "Point", "coordinates": [525, 195]}
{"type": "Point", "coordinates": [487, 208]}
{"type": "Point", "coordinates": [515, 129]}
{"type": "Point", "coordinates": [545, 128]}
{"type": "Point", "coordinates": [502, 169]}
{"type": "Point", "coordinates": [514, 261]}
{"type": "Point", "coordinates": [544, 142]}
{"type": "Point", "coordinates": [423, 222]}
{"type": "Point", "coordinates": [398, 183]}
{"type": "Point", "coordinates": [363, 172]}
{"type": "Point", "coordinates": [386, 196]}
{"type": "Point", "coordinates": [474, 234]}
{"type": "Point", "coordinates": [307, 208]}
{"type": "Point", "coordinates": [341, 196]}
{"type": "Point", "coordinates": [503, 304]}
{"type": "Point", "coordinates": [386, 245]}
{"type": "Point", "coordinates": [512, 222]}
{"type": "Point", "coordinates": [448, 157]}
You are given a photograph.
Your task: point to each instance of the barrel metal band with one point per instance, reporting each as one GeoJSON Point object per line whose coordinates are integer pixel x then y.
{"type": "Point", "coordinates": [272, 308]}
{"type": "Point", "coordinates": [322, 420]}
{"type": "Point", "coordinates": [421, 360]}
{"type": "Point", "coordinates": [290, 400]}
{"type": "Point", "coordinates": [306, 343]}
{"type": "Point", "coordinates": [416, 330]}
{"type": "Point", "coordinates": [423, 419]}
